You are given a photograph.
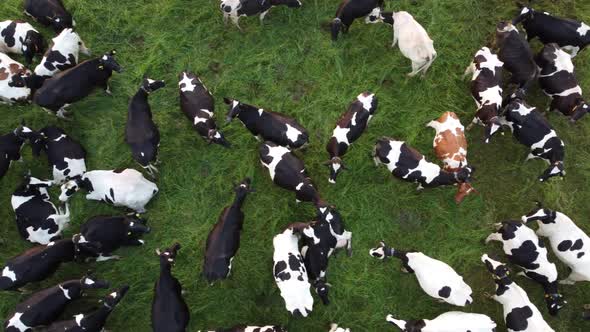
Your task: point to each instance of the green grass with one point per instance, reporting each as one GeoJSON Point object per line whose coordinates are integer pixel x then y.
{"type": "Point", "coordinates": [290, 65]}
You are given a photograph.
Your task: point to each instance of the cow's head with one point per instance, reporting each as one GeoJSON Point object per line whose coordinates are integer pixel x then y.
{"type": "Point", "coordinates": [136, 226]}
{"type": "Point", "coordinates": [374, 16]}
{"type": "Point", "coordinates": [526, 13]}
{"type": "Point", "coordinates": [503, 31]}
{"type": "Point", "coordinates": [26, 80]}
{"type": "Point", "coordinates": [215, 136]}
{"type": "Point", "coordinates": [79, 42]}
{"type": "Point", "coordinates": [108, 62]}
{"type": "Point", "coordinates": [91, 282]}
{"type": "Point", "coordinates": [33, 44]}
{"type": "Point", "coordinates": [111, 300]}
{"type": "Point", "coordinates": [579, 111]}
{"type": "Point", "coordinates": [554, 301]}
{"type": "Point", "coordinates": [541, 214]}
{"type": "Point", "coordinates": [336, 166]}
{"type": "Point", "coordinates": [555, 169]}
{"type": "Point", "coordinates": [547, 56]}
{"type": "Point", "coordinates": [382, 251]}
{"type": "Point", "coordinates": [69, 188]}
{"type": "Point", "coordinates": [464, 174]}
{"type": "Point", "coordinates": [244, 187]}
{"type": "Point", "coordinates": [25, 133]}
{"type": "Point", "coordinates": [335, 28]}
{"type": "Point", "coordinates": [322, 288]}
{"type": "Point", "coordinates": [406, 326]}
{"type": "Point", "coordinates": [227, 6]}
{"type": "Point", "coordinates": [168, 256]}
{"type": "Point", "coordinates": [61, 21]}
{"type": "Point", "coordinates": [84, 248]}
{"type": "Point", "coordinates": [148, 85]}
{"type": "Point", "coordinates": [387, 17]}
{"type": "Point", "coordinates": [499, 271]}
{"type": "Point", "coordinates": [234, 108]}
{"type": "Point", "coordinates": [463, 190]}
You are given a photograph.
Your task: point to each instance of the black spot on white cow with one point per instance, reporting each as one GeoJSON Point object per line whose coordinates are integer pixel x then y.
{"type": "Point", "coordinates": [63, 54]}
{"type": "Point", "coordinates": [350, 10]}
{"type": "Point", "coordinates": [515, 53]}
{"type": "Point", "coordinates": [18, 37]}
{"type": "Point", "coordinates": [13, 81]}
{"type": "Point", "coordinates": [50, 13]}
{"type": "Point", "coordinates": [10, 147]}
{"type": "Point", "coordinates": [448, 321]}
{"type": "Point", "coordinates": [234, 9]}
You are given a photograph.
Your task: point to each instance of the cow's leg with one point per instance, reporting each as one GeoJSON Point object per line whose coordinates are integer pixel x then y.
{"type": "Point", "coordinates": [235, 20]}
{"type": "Point", "coordinates": [415, 69]}
{"type": "Point", "coordinates": [494, 237]}
{"type": "Point", "coordinates": [134, 242]}
{"type": "Point", "coordinates": [102, 258]}
{"type": "Point", "coordinates": [107, 89]}
{"type": "Point", "coordinates": [473, 123]}
{"type": "Point", "coordinates": [263, 14]}
{"type": "Point", "coordinates": [394, 42]}
{"type": "Point", "coordinates": [469, 70]}
{"type": "Point", "coordinates": [530, 156]}
{"type": "Point", "coordinates": [225, 19]}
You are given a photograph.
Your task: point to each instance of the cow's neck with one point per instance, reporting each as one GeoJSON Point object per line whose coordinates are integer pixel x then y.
{"type": "Point", "coordinates": [248, 114]}
{"type": "Point", "coordinates": [239, 200]}
{"type": "Point", "coordinates": [445, 178]}
{"type": "Point", "coordinates": [65, 249]}
{"type": "Point", "coordinates": [550, 287]}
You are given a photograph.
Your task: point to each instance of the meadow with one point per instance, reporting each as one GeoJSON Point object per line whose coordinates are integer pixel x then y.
{"type": "Point", "coordinates": [289, 64]}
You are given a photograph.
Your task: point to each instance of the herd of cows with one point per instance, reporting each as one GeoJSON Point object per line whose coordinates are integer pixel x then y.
{"type": "Point", "coordinates": [301, 250]}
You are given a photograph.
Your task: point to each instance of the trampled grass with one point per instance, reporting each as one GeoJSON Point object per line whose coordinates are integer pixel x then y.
{"type": "Point", "coordinates": [289, 64]}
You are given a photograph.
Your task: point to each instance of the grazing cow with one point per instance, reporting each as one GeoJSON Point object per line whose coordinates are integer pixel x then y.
{"type": "Point", "coordinates": [525, 249]}
{"type": "Point", "coordinates": [290, 273]}
{"type": "Point", "coordinates": [196, 102]}
{"type": "Point", "coordinates": [18, 37]}
{"type": "Point", "coordinates": [569, 243]}
{"type": "Point", "coordinates": [169, 311]}
{"type": "Point", "coordinates": [76, 83]}
{"type": "Point", "coordinates": [37, 219]}
{"type": "Point", "coordinates": [234, 9]}
{"type": "Point", "coordinates": [520, 314]}
{"type": "Point", "coordinates": [288, 172]}
{"type": "Point", "coordinates": [334, 328]}
{"type": "Point", "coordinates": [244, 328]}
{"type": "Point", "coordinates": [50, 13]}
{"type": "Point", "coordinates": [570, 35]}
{"type": "Point", "coordinates": [268, 125]}
{"type": "Point", "coordinates": [516, 54]}
{"type": "Point", "coordinates": [486, 90]}
{"type": "Point", "coordinates": [13, 81]}
{"type": "Point", "coordinates": [62, 55]}
{"type": "Point", "coordinates": [10, 146]}
{"type": "Point", "coordinates": [91, 322]}
{"type": "Point", "coordinates": [45, 306]}
{"type": "Point", "coordinates": [558, 81]}
{"type": "Point", "coordinates": [141, 133]}
{"type": "Point", "coordinates": [349, 128]}
{"type": "Point", "coordinates": [448, 321]}
{"type": "Point", "coordinates": [436, 278]}
{"type": "Point", "coordinates": [530, 128]}
{"type": "Point", "coordinates": [125, 187]}
{"type": "Point", "coordinates": [350, 10]}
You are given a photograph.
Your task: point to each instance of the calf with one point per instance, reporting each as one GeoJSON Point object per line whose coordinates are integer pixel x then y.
{"type": "Point", "coordinates": [141, 133]}
{"type": "Point", "coordinates": [448, 321]}
{"type": "Point", "coordinates": [125, 187]}
{"type": "Point", "coordinates": [349, 128]}
{"type": "Point", "coordinates": [350, 10]}
{"type": "Point", "coordinates": [62, 55]}
{"type": "Point", "coordinates": [234, 9]}
{"type": "Point", "coordinates": [288, 172]}
{"type": "Point", "coordinates": [569, 243]}
{"type": "Point", "coordinates": [558, 81]}
{"type": "Point", "coordinates": [520, 314]}
{"type": "Point", "coordinates": [44, 307]}
{"type": "Point", "coordinates": [436, 278]}
{"type": "Point", "coordinates": [268, 125]}
{"type": "Point", "coordinates": [516, 54]}
{"type": "Point", "coordinates": [76, 83]}
{"type": "Point", "coordinates": [19, 37]}
{"type": "Point", "coordinates": [37, 219]}
{"type": "Point", "coordinates": [244, 328]}
{"type": "Point", "coordinates": [169, 311]}
{"type": "Point", "coordinates": [50, 13]}
{"type": "Point", "coordinates": [196, 102]}
{"type": "Point", "coordinates": [526, 250]}
{"type": "Point", "coordinates": [13, 87]}
{"type": "Point", "coordinates": [414, 42]}
{"type": "Point", "coordinates": [10, 146]}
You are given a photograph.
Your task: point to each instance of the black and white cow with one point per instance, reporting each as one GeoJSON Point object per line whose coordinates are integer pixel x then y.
{"type": "Point", "coordinates": [45, 306]}
{"type": "Point", "coordinates": [530, 128]}
{"type": "Point", "coordinates": [525, 249]}
{"type": "Point", "coordinates": [223, 241]}
{"type": "Point", "coordinates": [570, 35]}
{"type": "Point", "coordinates": [234, 9]}
{"type": "Point", "coordinates": [63, 54]}
{"type": "Point", "coordinates": [76, 83]}
{"type": "Point", "coordinates": [436, 278]}
{"type": "Point", "coordinates": [37, 219]}
{"type": "Point", "coordinates": [50, 13]}
{"type": "Point", "coordinates": [141, 133]}
{"type": "Point", "coordinates": [13, 81]}
{"type": "Point", "coordinates": [349, 128]}
{"type": "Point", "coordinates": [569, 243]}
{"type": "Point", "coordinates": [127, 187]}
{"type": "Point", "coordinates": [268, 125]}
{"type": "Point", "coordinates": [90, 322]}
{"type": "Point", "coordinates": [350, 10]}
{"type": "Point", "coordinates": [515, 53]}
{"type": "Point", "coordinates": [197, 103]}
{"type": "Point", "coordinates": [407, 164]}
{"type": "Point", "coordinates": [520, 314]}
{"type": "Point", "coordinates": [558, 81]}
{"type": "Point", "coordinates": [251, 328]}
{"type": "Point", "coordinates": [448, 321]}
{"type": "Point", "coordinates": [10, 147]}
{"type": "Point", "coordinates": [18, 37]}
{"type": "Point", "coordinates": [288, 172]}
{"type": "Point", "coordinates": [169, 311]}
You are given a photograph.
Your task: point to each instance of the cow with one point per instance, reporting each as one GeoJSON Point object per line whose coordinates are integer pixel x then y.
{"type": "Point", "coordinates": [288, 172]}
{"type": "Point", "coordinates": [290, 273]}
{"type": "Point", "coordinates": [350, 10]}
{"type": "Point", "coordinates": [448, 321]}
{"type": "Point", "coordinates": [118, 187]}
{"type": "Point", "coordinates": [76, 83]}
{"type": "Point", "coordinates": [51, 13]}
{"type": "Point", "coordinates": [18, 37]}
{"type": "Point", "coordinates": [100, 236]}
{"type": "Point", "coordinates": [223, 240]}
{"type": "Point", "coordinates": [13, 82]}
{"type": "Point", "coordinates": [63, 54]}
{"type": "Point", "coordinates": [37, 219]}
{"type": "Point", "coordinates": [268, 125]}
{"type": "Point", "coordinates": [558, 81]}
{"type": "Point", "coordinates": [569, 243]}
{"type": "Point", "coordinates": [525, 249]}
{"type": "Point", "coordinates": [45, 306]}
{"type": "Point", "coordinates": [335, 328]}
{"type": "Point", "coordinates": [515, 53]}
{"type": "Point", "coordinates": [486, 90]}
{"type": "Point", "coordinates": [198, 105]}
{"type": "Point", "coordinates": [10, 147]}
{"type": "Point", "coordinates": [531, 129]}
{"type": "Point", "coordinates": [568, 34]}
{"type": "Point", "coordinates": [520, 314]}
{"type": "Point", "coordinates": [93, 321]}
{"type": "Point", "coordinates": [250, 328]}
{"type": "Point", "coordinates": [436, 278]}
{"type": "Point", "coordinates": [234, 9]}
{"type": "Point", "coordinates": [169, 311]}
{"type": "Point", "coordinates": [141, 133]}
{"type": "Point", "coordinates": [349, 128]}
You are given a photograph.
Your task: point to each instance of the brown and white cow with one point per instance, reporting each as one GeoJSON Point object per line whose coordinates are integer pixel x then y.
{"type": "Point", "coordinates": [12, 91]}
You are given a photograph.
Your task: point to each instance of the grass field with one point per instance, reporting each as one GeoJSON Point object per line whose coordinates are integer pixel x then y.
{"type": "Point", "coordinates": [290, 65]}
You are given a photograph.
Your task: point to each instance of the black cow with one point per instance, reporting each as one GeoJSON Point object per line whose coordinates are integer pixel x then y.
{"type": "Point", "coordinates": [46, 306]}
{"type": "Point", "coordinates": [234, 9]}
{"type": "Point", "coordinates": [141, 133]}
{"type": "Point", "coordinates": [515, 53]}
{"type": "Point", "coordinates": [50, 13]}
{"type": "Point", "coordinates": [76, 83]}
{"type": "Point", "coordinates": [268, 125]}
{"type": "Point", "coordinates": [223, 241]}
{"type": "Point", "coordinates": [169, 311]}
{"type": "Point", "coordinates": [349, 128]}
{"type": "Point", "coordinates": [10, 146]}
{"type": "Point", "coordinates": [196, 102]}
{"type": "Point", "coordinates": [20, 37]}
{"type": "Point", "coordinates": [350, 10]}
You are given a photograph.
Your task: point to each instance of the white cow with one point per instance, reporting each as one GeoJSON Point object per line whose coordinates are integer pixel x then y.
{"type": "Point", "coordinates": [414, 42]}
{"type": "Point", "coordinates": [63, 54]}
{"type": "Point", "coordinates": [447, 322]}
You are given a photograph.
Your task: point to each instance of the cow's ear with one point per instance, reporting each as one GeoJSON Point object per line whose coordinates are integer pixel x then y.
{"type": "Point", "coordinates": [227, 100]}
